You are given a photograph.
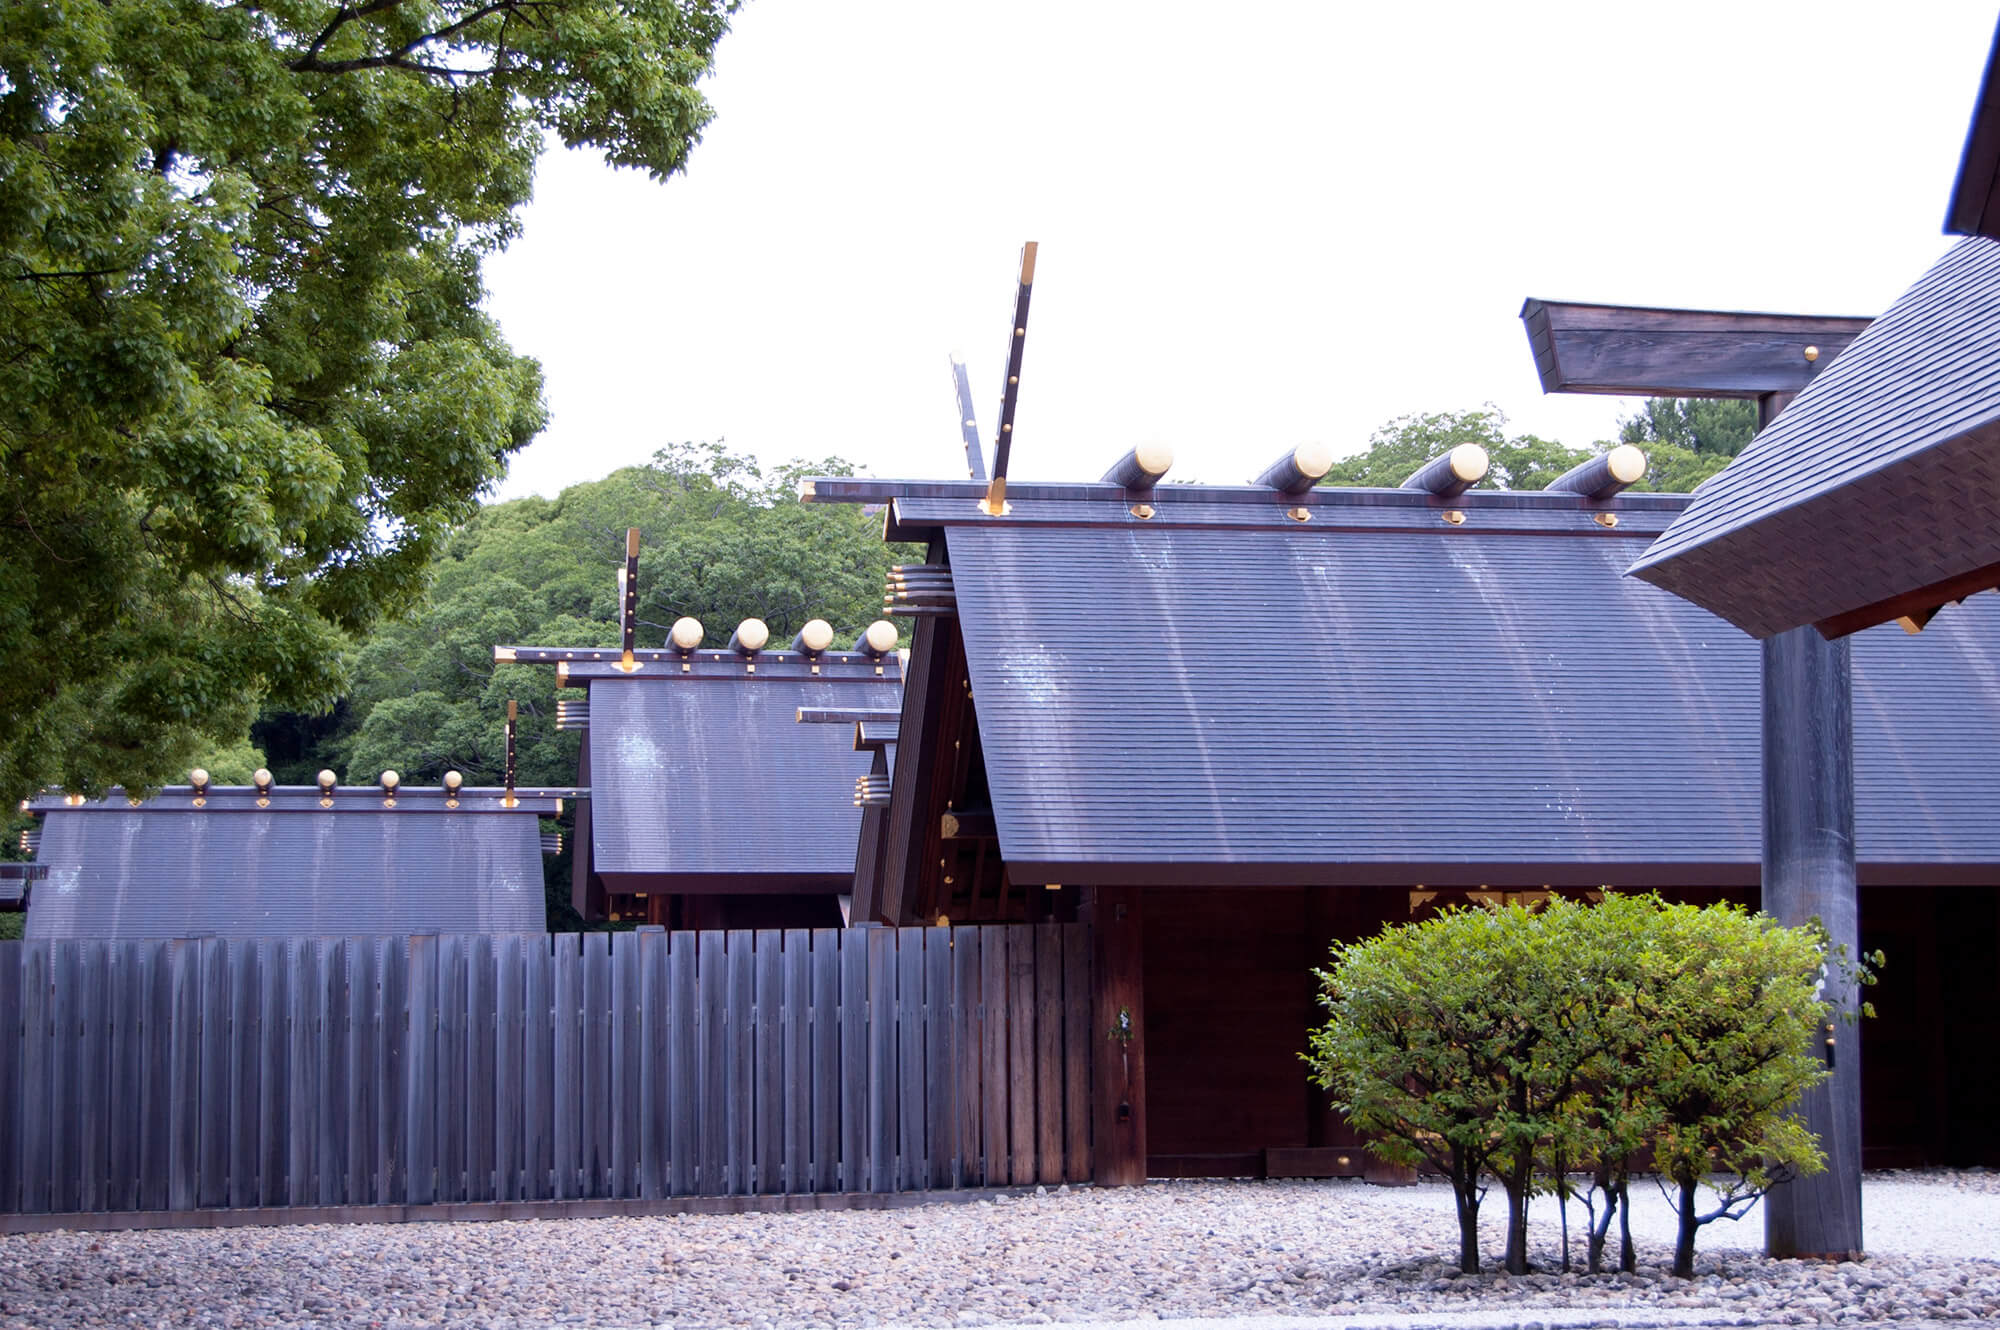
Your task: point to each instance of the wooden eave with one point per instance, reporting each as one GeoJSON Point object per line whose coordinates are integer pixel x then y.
{"type": "Point", "coordinates": [1634, 351]}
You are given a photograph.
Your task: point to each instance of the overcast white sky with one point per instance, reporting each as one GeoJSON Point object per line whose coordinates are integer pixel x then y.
{"type": "Point", "coordinates": [1259, 223]}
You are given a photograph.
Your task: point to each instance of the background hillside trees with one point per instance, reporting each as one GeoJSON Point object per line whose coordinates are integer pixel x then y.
{"type": "Point", "coordinates": [246, 386]}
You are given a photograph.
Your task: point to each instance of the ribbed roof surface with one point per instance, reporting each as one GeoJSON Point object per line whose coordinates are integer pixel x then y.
{"type": "Point", "coordinates": [1880, 478]}
{"type": "Point", "coordinates": [706, 776]}
{"type": "Point", "coordinates": [171, 872]}
{"type": "Point", "coordinates": [1204, 695]}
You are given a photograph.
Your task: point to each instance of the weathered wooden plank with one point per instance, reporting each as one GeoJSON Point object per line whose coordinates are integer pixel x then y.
{"type": "Point", "coordinates": [683, 1079]}
{"type": "Point", "coordinates": [1077, 1052]}
{"type": "Point", "coordinates": [940, 1072]}
{"type": "Point", "coordinates": [129, 974]}
{"type": "Point", "coordinates": [655, 1054]}
{"type": "Point", "coordinates": [153, 1091]}
{"type": "Point", "coordinates": [768, 1054]}
{"type": "Point", "coordinates": [854, 1095]}
{"type": "Point", "coordinates": [995, 1103]}
{"type": "Point", "coordinates": [482, 973]}
{"type": "Point", "coordinates": [509, 1087]}
{"type": "Point", "coordinates": [711, 1113]}
{"type": "Point", "coordinates": [63, 1025]}
{"type": "Point", "coordinates": [213, 1041]}
{"type": "Point", "coordinates": [305, 1062]}
{"type": "Point", "coordinates": [183, 1074]}
{"type": "Point", "coordinates": [93, 1076]}
{"type": "Point", "coordinates": [273, 1072]}
{"type": "Point", "coordinates": [825, 1073]}
{"type": "Point", "coordinates": [594, 1114]}
{"type": "Point", "coordinates": [739, 1019]}
{"type": "Point", "coordinates": [627, 1052]}
{"type": "Point", "coordinates": [968, 1044]}
{"type": "Point", "coordinates": [10, 1077]}
{"type": "Point", "coordinates": [538, 1064]}
{"type": "Point", "coordinates": [912, 1167]}
{"type": "Point", "coordinates": [364, 1070]}
{"type": "Point", "coordinates": [394, 1030]}
{"type": "Point", "coordinates": [796, 1006]}
{"type": "Point", "coordinates": [449, 1069]}
{"type": "Point", "coordinates": [332, 1094]}
{"type": "Point", "coordinates": [244, 1070]}
{"type": "Point", "coordinates": [565, 1122]}
{"type": "Point", "coordinates": [420, 1070]}
{"type": "Point", "coordinates": [882, 1098]}
{"type": "Point", "coordinates": [1049, 1099]}
{"type": "Point", "coordinates": [1021, 1140]}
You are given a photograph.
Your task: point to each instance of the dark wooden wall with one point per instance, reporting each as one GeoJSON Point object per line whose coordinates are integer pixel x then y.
{"type": "Point", "coordinates": [1229, 1000]}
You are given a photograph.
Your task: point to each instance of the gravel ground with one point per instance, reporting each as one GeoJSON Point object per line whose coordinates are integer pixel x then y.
{"type": "Point", "coordinates": [1344, 1252]}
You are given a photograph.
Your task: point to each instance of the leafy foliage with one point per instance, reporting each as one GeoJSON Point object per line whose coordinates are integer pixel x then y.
{"type": "Point", "coordinates": [1514, 1044]}
{"type": "Point", "coordinates": [1713, 427]}
{"type": "Point", "coordinates": [246, 388]}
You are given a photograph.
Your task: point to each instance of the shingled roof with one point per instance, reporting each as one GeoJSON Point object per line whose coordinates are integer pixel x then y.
{"type": "Point", "coordinates": [1872, 495]}
{"type": "Point", "coordinates": [701, 778]}
{"type": "Point", "coordinates": [221, 862]}
{"type": "Point", "coordinates": [1379, 686]}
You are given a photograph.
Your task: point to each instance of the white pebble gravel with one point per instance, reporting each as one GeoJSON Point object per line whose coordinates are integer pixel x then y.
{"type": "Point", "coordinates": [1342, 1253]}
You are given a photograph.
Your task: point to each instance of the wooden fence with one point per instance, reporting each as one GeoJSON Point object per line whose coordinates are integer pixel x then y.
{"type": "Point", "coordinates": [184, 1074]}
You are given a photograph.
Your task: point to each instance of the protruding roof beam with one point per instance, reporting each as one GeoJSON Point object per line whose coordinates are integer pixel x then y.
{"type": "Point", "coordinates": [1637, 352]}
{"type": "Point", "coordinates": [1142, 467]}
{"type": "Point", "coordinates": [996, 490]}
{"type": "Point", "coordinates": [968, 423]}
{"type": "Point", "coordinates": [1451, 474]}
{"type": "Point", "coordinates": [1298, 470]}
{"type": "Point", "coordinates": [1602, 476]}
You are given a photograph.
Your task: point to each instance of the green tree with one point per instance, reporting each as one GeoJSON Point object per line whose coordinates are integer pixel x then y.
{"type": "Point", "coordinates": [1518, 461]}
{"type": "Point", "coordinates": [246, 387]}
{"type": "Point", "coordinates": [1732, 1003]}
{"type": "Point", "coordinates": [1713, 427]}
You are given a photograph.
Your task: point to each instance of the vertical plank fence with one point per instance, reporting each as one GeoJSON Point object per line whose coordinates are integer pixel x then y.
{"type": "Point", "coordinates": [185, 1074]}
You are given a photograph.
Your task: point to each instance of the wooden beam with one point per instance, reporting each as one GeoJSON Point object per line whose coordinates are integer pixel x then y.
{"type": "Point", "coordinates": [968, 423]}
{"type": "Point", "coordinates": [1637, 352]}
{"type": "Point", "coordinates": [1918, 605]}
{"type": "Point", "coordinates": [1809, 873]}
{"type": "Point", "coordinates": [909, 837]}
{"type": "Point", "coordinates": [968, 824]}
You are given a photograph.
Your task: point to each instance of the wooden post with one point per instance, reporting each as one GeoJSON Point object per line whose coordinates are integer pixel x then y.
{"type": "Point", "coordinates": [1118, 1036]}
{"type": "Point", "coordinates": [1809, 873]}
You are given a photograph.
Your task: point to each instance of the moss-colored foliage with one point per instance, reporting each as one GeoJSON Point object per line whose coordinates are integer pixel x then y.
{"type": "Point", "coordinates": [1524, 1044]}
{"type": "Point", "coordinates": [246, 386]}
{"type": "Point", "coordinates": [1518, 461]}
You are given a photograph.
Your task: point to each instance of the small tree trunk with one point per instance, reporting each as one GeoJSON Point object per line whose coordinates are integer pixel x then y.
{"type": "Point", "coordinates": [1517, 1218]}
{"type": "Point", "coordinates": [1562, 1199]}
{"type": "Point", "coordinates": [1628, 1257]}
{"type": "Point", "coordinates": [1684, 1244]}
{"type": "Point", "coordinates": [1600, 1228]}
{"type": "Point", "coordinates": [1465, 1190]}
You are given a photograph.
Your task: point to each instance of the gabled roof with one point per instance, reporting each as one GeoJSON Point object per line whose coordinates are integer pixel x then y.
{"type": "Point", "coordinates": [1975, 196]}
{"type": "Point", "coordinates": [219, 863]}
{"type": "Point", "coordinates": [1380, 694]}
{"type": "Point", "coordinates": [1873, 494]}
{"type": "Point", "coordinates": [702, 779]}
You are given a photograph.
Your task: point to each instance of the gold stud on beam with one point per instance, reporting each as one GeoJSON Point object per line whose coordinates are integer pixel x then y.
{"type": "Point", "coordinates": [1812, 354]}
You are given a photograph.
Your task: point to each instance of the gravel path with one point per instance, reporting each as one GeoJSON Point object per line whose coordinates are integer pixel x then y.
{"type": "Point", "coordinates": [1353, 1254]}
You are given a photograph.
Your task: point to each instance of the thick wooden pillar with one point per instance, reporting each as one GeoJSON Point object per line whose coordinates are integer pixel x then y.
{"type": "Point", "coordinates": [1809, 873]}
{"type": "Point", "coordinates": [1118, 1035]}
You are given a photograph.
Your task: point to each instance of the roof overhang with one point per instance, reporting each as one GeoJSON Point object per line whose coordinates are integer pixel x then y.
{"type": "Point", "coordinates": [1631, 351]}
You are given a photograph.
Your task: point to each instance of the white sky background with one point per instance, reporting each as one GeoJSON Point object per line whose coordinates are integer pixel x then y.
{"type": "Point", "coordinates": [1260, 224]}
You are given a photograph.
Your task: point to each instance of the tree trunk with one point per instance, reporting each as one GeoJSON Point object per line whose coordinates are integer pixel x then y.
{"type": "Point", "coordinates": [1600, 1228]}
{"type": "Point", "coordinates": [1517, 1218]}
{"type": "Point", "coordinates": [1684, 1243]}
{"type": "Point", "coordinates": [1628, 1256]}
{"type": "Point", "coordinates": [1465, 1190]}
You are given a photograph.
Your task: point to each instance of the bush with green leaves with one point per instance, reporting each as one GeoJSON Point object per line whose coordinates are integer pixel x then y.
{"type": "Point", "coordinates": [1527, 1046]}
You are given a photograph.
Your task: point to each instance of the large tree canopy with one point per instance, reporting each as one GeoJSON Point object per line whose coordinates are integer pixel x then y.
{"type": "Point", "coordinates": [246, 388]}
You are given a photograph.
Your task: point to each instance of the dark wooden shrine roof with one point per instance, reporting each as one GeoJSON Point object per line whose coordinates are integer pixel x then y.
{"type": "Point", "coordinates": [169, 868]}
{"type": "Point", "coordinates": [1635, 352]}
{"type": "Point", "coordinates": [1223, 693]}
{"type": "Point", "coordinates": [703, 779]}
{"type": "Point", "coordinates": [1873, 495]}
